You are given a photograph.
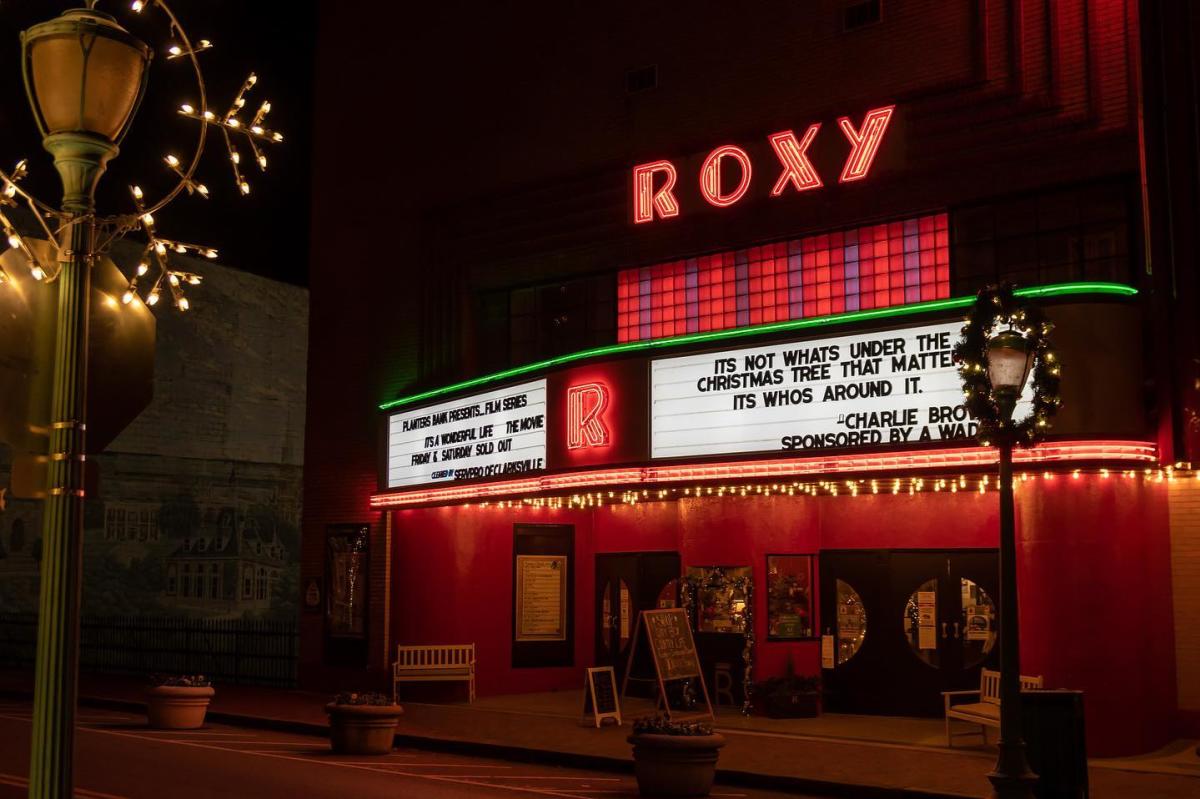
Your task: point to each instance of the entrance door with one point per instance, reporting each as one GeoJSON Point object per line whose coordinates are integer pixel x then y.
{"type": "Point", "coordinates": [627, 584]}
{"type": "Point", "coordinates": [907, 626]}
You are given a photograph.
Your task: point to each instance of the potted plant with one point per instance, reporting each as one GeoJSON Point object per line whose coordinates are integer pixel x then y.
{"type": "Point", "coordinates": [362, 723]}
{"type": "Point", "coordinates": [178, 702]}
{"type": "Point", "coordinates": [788, 697]}
{"type": "Point", "coordinates": [673, 758]}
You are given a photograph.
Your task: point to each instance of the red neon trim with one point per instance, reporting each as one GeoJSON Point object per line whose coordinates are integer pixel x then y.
{"type": "Point", "coordinates": [864, 142]}
{"type": "Point", "coordinates": [797, 169]}
{"type": "Point", "coordinates": [963, 458]}
{"type": "Point", "coordinates": [710, 176]}
{"type": "Point", "coordinates": [586, 404]}
{"type": "Point", "coordinates": [646, 201]}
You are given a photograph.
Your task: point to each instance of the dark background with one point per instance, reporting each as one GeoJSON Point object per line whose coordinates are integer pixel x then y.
{"type": "Point", "coordinates": [267, 232]}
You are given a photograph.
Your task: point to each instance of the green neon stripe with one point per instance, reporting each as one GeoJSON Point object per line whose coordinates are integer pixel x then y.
{"type": "Point", "coordinates": [1036, 292]}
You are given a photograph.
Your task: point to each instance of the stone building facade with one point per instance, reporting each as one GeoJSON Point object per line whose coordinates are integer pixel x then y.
{"type": "Point", "coordinates": [209, 475]}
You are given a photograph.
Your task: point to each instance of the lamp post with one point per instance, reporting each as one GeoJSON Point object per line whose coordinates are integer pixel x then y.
{"type": "Point", "coordinates": [1009, 360]}
{"type": "Point", "coordinates": [85, 76]}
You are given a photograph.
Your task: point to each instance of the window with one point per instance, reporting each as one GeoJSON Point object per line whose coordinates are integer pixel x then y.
{"type": "Point", "coordinates": [720, 594]}
{"type": "Point", "coordinates": [874, 266]}
{"type": "Point", "coordinates": [560, 317]}
{"type": "Point", "coordinates": [214, 581]}
{"type": "Point", "coordinates": [262, 584]}
{"type": "Point", "coordinates": [1079, 233]}
{"type": "Point", "coordinates": [127, 521]}
{"type": "Point", "coordinates": [247, 583]}
{"type": "Point", "coordinates": [861, 14]}
{"type": "Point", "coordinates": [789, 597]}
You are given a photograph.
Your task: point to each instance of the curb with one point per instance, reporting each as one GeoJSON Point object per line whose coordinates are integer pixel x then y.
{"type": "Point", "coordinates": [521, 754]}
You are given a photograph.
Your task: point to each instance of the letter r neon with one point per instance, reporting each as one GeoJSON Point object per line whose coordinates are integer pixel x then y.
{"type": "Point", "coordinates": [586, 404]}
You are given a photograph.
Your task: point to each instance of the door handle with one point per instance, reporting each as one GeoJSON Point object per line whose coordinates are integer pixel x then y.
{"type": "Point", "coordinates": [956, 632]}
{"type": "Point", "coordinates": [944, 630]}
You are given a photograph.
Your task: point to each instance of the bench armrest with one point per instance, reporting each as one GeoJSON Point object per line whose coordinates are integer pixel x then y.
{"type": "Point", "coordinates": [948, 697]}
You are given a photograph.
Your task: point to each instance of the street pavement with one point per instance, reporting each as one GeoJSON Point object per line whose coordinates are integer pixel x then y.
{"type": "Point", "coordinates": [118, 757]}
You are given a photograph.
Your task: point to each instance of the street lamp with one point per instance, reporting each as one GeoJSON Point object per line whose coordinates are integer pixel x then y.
{"type": "Point", "coordinates": [1009, 358]}
{"type": "Point", "coordinates": [85, 76]}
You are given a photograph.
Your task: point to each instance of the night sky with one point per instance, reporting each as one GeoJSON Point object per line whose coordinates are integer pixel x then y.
{"type": "Point", "coordinates": [266, 233]}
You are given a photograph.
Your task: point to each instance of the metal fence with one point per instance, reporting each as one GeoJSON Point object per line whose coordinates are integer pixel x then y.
{"type": "Point", "coordinates": [224, 650]}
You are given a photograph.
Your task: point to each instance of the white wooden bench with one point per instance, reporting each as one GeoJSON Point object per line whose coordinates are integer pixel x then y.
{"type": "Point", "coordinates": [434, 664]}
{"type": "Point", "coordinates": [986, 711]}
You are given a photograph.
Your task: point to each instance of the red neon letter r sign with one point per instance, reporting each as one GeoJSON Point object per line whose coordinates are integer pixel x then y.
{"type": "Point", "coordinates": [864, 142]}
{"type": "Point", "coordinates": [646, 200]}
{"type": "Point", "coordinates": [586, 404]}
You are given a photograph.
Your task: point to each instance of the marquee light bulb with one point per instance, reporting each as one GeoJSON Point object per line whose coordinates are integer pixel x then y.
{"type": "Point", "coordinates": [127, 297]}
{"type": "Point", "coordinates": [245, 187]}
{"type": "Point", "coordinates": [200, 187]}
{"type": "Point", "coordinates": [14, 241]}
{"type": "Point", "coordinates": [194, 280]}
{"type": "Point", "coordinates": [174, 279]}
{"type": "Point", "coordinates": [171, 160]}
{"type": "Point", "coordinates": [210, 253]}
{"type": "Point", "coordinates": [137, 6]}
{"type": "Point", "coordinates": [253, 79]}
{"type": "Point", "coordinates": [277, 136]}
{"type": "Point", "coordinates": [187, 109]}
{"type": "Point", "coordinates": [183, 304]}
{"type": "Point", "coordinates": [153, 298]}
{"type": "Point", "coordinates": [209, 116]}
{"type": "Point", "coordinates": [137, 192]}
{"type": "Point", "coordinates": [10, 190]}
{"type": "Point", "coordinates": [160, 248]}
{"type": "Point", "coordinates": [257, 129]}
{"type": "Point", "coordinates": [142, 269]}
{"type": "Point", "coordinates": [148, 219]}
{"type": "Point", "coordinates": [179, 248]}
{"type": "Point", "coordinates": [262, 162]}
{"type": "Point", "coordinates": [233, 122]}
{"type": "Point", "coordinates": [38, 273]}
{"type": "Point", "coordinates": [175, 50]}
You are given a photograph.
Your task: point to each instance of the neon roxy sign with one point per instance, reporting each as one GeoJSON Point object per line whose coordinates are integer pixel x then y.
{"type": "Point", "coordinates": [651, 201]}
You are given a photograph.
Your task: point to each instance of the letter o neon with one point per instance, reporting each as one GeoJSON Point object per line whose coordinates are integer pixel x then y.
{"type": "Point", "coordinates": [710, 176]}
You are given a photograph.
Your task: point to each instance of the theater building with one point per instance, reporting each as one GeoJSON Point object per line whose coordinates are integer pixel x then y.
{"type": "Point", "coordinates": [661, 318]}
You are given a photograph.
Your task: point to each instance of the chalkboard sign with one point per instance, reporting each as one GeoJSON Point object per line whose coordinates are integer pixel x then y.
{"type": "Point", "coordinates": [670, 638]}
{"type": "Point", "coordinates": [600, 695]}
{"type": "Point", "coordinates": [672, 649]}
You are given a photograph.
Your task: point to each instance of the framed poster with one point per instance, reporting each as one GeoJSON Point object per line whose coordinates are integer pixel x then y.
{"type": "Point", "coordinates": [789, 597]}
{"type": "Point", "coordinates": [346, 577]}
{"type": "Point", "coordinates": [541, 612]}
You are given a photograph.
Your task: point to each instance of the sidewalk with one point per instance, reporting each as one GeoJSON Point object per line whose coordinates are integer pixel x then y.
{"type": "Point", "coordinates": [823, 757]}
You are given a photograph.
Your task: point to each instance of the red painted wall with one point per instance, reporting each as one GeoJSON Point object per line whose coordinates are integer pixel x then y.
{"type": "Point", "coordinates": [1094, 579]}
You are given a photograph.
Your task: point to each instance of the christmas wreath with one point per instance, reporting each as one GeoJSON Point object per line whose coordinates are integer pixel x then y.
{"type": "Point", "coordinates": [997, 307]}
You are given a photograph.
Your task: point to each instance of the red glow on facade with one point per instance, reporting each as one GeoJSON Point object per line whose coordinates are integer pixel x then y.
{"type": "Point", "coordinates": [958, 458]}
{"type": "Point", "coordinates": [586, 405]}
{"type": "Point", "coordinates": [864, 142]}
{"type": "Point", "coordinates": [797, 169]}
{"type": "Point", "coordinates": [710, 176]}
{"type": "Point", "coordinates": [647, 200]}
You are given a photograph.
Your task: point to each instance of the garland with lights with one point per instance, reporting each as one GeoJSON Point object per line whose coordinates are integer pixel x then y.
{"type": "Point", "coordinates": [155, 273]}
{"type": "Point", "coordinates": [998, 306]}
{"type": "Point", "coordinates": [715, 579]}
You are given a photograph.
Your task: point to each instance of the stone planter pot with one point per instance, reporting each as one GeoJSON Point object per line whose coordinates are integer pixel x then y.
{"type": "Point", "coordinates": [362, 729]}
{"type": "Point", "coordinates": [177, 707]}
{"type": "Point", "coordinates": [675, 765]}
